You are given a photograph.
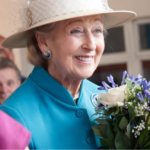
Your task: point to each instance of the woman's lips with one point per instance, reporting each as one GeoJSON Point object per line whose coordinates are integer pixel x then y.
{"type": "Point", "coordinates": [86, 59]}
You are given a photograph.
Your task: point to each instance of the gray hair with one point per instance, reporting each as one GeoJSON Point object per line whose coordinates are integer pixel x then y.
{"type": "Point", "coordinates": [34, 54]}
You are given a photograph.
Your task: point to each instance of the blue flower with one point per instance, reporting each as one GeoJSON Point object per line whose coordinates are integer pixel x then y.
{"type": "Point", "coordinates": [101, 88]}
{"type": "Point", "coordinates": [138, 79]}
{"type": "Point", "coordinates": [131, 77]}
{"type": "Point", "coordinates": [145, 84]}
{"type": "Point", "coordinates": [148, 84]}
{"type": "Point", "coordinates": [111, 80]}
{"type": "Point", "coordinates": [106, 86]}
{"type": "Point", "coordinates": [140, 97]}
{"type": "Point", "coordinates": [147, 93]}
{"type": "Point", "coordinates": [148, 109]}
{"type": "Point", "coordinates": [125, 75]}
{"type": "Point", "coordinates": [100, 105]}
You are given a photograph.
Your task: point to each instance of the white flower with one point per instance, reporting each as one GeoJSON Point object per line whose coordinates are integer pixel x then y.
{"type": "Point", "coordinates": [137, 129]}
{"type": "Point", "coordinates": [114, 97]}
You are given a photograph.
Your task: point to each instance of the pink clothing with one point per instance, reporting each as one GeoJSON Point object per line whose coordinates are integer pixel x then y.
{"type": "Point", "coordinates": [12, 134]}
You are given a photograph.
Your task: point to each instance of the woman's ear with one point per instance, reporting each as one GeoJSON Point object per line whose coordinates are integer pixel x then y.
{"type": "Point", "coordinates": [41, 42]}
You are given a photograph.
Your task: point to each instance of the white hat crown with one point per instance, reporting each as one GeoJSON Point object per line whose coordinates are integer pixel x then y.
{"type": "Point", "coordinates": [34, 11]}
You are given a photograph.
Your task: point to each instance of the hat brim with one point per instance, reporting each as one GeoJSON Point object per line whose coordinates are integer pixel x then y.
{"type": "Point", "coordinates": [111, 19]}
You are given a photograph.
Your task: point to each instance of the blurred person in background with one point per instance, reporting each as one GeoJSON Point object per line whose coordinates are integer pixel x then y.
{"type": "Point", "coordinates": [8, 53]}
{"type": "Point", "coordinates": [10, 78]}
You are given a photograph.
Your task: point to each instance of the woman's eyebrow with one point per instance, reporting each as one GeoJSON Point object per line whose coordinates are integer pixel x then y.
{"type": "Point", "coordinates": [98, 19]}
{"type": "Point", "coordinates": [73, 21]}
{"type": "Point", "coordinates": [80, 20]}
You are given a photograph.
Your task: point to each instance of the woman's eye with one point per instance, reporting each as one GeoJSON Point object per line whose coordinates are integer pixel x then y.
{"type": "Point", "coordinates": [98, 30]}
{"type": "Point", "coordinates": [76, 31]}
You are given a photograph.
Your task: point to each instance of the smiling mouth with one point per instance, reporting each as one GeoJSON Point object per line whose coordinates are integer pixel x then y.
{"type": "Point", "coordinates": [85, 59]}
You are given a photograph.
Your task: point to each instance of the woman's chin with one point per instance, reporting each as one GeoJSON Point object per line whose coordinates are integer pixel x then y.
{"type": "Point", "coordinates": [85, 75]}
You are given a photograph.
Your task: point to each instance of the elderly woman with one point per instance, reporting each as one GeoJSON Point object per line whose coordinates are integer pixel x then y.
{"type": "Point", "coordinates": [65, 41]}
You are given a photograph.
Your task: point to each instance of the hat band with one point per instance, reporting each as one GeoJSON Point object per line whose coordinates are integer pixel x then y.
{"type": "Point", "coordinates": [33, 12]}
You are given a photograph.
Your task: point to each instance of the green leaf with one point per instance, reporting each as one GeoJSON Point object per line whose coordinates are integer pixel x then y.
{"type": "Point", "coordinates": [116, 127]}
{"type": "Point", "coordinates": [100, 130]}
{"type": "Point", "coordinates": [104, 131]}
{"type": "Point", "coordinates": [110, 111]}
{"type": "Point", "coordinates": [123, 123]}
{"type": "Point", "coordinates": [102, 147]}
{"type": "Point", "coordinates": [129, 84]}
{"type": "Point", "coordinates": [147, 147]}
{"type": "Point", "coordinates": [131, 113]}
{"type": "Point", "coordinates": [110, 133]}
{"type": "Point", "coordinates": [117, 110]}
{"type": "Point", "coordinates": [119, 117]}
{"type": "Point", "coordinates": [147, 140]}
{"type": "Point", "coordinates": [148, 122]}
{"type": "Point", "coordinates": [96, 130]}
{"type": "Point", "coordinates": [107, 143]}
{"type": "Point", "coordinates": [128, 131]}
{"type": "Point", "coordinates": [102, 121]}
{"type": "Point", "coordinates": [142, 137]}
{"type": "Point", "coordinates": [147, 144]}
{"type": "Point", "coordinates": [122, 141]}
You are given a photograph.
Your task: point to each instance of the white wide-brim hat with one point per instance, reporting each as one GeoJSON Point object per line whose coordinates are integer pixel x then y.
{"type": "Point", "coordinates": [35, 13]}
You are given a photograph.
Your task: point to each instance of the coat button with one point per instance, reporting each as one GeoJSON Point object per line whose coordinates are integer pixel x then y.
{"type": "Point", "coordinates": [90, 140]}
{"type": "Point", "coordinates": [79, 113]}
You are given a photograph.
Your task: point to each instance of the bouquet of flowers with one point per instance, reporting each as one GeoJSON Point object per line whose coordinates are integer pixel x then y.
{"type": "Point", "coordinates": [123, 114]}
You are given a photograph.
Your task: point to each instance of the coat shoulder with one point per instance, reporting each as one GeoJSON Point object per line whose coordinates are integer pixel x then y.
{"type": "Point", "coordinates": [90, 86]}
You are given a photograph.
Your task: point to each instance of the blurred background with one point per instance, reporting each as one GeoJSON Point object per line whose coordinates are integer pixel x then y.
{"type": "Point", "coordinates": [127, 46]}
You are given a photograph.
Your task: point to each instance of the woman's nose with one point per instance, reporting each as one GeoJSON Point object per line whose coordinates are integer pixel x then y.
{"type": "Point", "coordinates": [89, 42]}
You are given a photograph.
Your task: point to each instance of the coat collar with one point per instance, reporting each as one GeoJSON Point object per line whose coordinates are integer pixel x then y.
{"type": "Point", "coordinates": [46, 82]}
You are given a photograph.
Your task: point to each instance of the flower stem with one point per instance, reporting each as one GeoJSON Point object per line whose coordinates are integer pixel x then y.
{"type": "Point", "coordinates": [136, 145]}
{"type": "Point", "coordinates": [146, 123]}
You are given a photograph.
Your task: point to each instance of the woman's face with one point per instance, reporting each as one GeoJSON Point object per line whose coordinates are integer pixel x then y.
{"type": "Point", "coordinates": [76, 46]}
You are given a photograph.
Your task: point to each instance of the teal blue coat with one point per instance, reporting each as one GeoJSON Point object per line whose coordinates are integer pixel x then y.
{"type": "Point", "coordinates": [47, 109]}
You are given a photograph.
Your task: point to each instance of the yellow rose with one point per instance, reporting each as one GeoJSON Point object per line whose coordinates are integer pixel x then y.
{"type": "Point", "coordinates": [114, 97]}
